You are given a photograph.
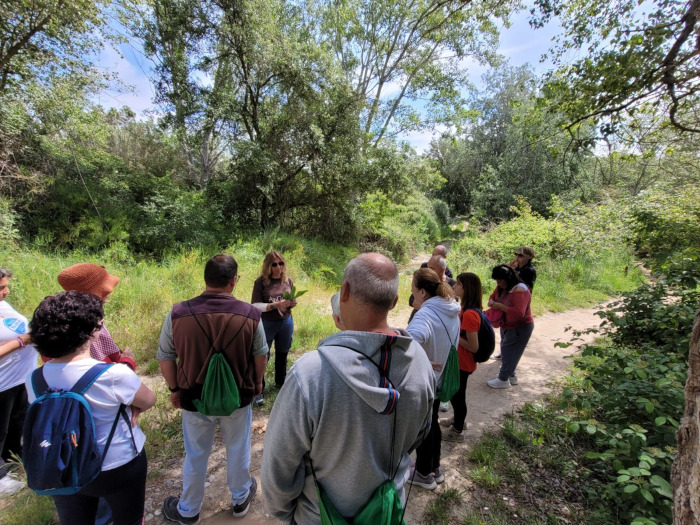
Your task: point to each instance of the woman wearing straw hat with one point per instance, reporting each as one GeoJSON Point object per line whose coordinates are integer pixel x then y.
{"type": "Point", "coordinates": [94, 279]}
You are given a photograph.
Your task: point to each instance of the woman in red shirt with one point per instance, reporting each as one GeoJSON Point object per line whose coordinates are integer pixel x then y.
{"type": "Point", "coordinates": [512, 297]}
{"type": "Point", "coordinates": [468, 290]}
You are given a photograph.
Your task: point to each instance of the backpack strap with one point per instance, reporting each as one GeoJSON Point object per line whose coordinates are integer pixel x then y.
{"type": "Point", "coordinates": [39, 383]}
{"type": "Point", "coordinates": [447, 331]}
{"type": "Point", "coordinates": [89, 377]}
{"type": "Point", "coordinates": [121, 412]}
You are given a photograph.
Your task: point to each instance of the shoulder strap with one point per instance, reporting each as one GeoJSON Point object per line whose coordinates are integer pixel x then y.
{"type": "Point", "coordinates": [447, 331]}
{"type": "Point", "coordinates": [39, 383]}
{"type": "Point", "coordinates": [120, 413]}
{"type": "Point", "coordinates": [89, 377]}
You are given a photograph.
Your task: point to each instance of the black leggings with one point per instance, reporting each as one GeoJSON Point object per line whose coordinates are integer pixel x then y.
{"type": "Point", "coordinates": [124, 488]}
{"type": "Point", "coordinates": [428, 452]}
{"type": "Point", "coordinates": [459, 402]}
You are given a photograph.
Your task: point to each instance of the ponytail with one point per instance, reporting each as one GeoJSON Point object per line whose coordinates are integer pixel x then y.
{"type": "Point", "coordinates": [426, 279]}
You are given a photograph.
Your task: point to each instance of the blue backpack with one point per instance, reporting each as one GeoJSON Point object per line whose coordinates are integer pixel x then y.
{"type": "Point", "coordinates": [487, 338]}
{"type": "Point", "coordinates": [60, 451]}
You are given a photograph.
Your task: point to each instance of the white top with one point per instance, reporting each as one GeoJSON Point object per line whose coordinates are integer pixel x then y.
{"type": "Point", "coordinates": [115, 386]}
{"type": "Point", "coordinates": [436, 327]}
{"type": "Point", "coordinates": [15, 366]}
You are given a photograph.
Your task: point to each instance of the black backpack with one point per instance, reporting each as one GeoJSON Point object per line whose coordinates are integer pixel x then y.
{"type": "Point", "coordinates": [487, 338]}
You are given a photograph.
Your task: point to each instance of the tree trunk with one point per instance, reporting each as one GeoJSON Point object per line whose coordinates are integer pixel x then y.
{"type": "Point", "coordinates": [685, 474]}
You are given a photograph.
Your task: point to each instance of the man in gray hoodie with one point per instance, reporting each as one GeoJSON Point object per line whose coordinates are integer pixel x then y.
{"type": "Point", "coordinates": [343, 406]}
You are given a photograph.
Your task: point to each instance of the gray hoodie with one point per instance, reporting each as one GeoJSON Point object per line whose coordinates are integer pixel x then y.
{"type": "Point", "coordinates": [334, 407]}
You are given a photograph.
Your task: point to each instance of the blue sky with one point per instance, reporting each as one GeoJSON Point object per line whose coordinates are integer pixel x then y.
{"type": "Point", "coordinates": [519, 44]}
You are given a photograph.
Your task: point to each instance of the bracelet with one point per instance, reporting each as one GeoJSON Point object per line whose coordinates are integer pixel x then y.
{"type": "Point", "coordinates": [173, 390]}
{"type": "Point", "coordinates": [21, 343]}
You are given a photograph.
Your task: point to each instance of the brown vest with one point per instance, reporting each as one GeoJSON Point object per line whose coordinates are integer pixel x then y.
{"type": "Point", "coordinates": [227, 325]}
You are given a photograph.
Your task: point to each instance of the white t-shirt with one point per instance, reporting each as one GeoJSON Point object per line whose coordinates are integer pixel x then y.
{"type": "Point", "coordinates": [15, 366]}
{"type": "Point", "coordinates": [115, 386]}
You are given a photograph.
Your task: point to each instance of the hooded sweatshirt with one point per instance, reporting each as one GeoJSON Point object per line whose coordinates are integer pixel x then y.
{"type": "Point", "coordinates": [436, 327]}
{"type": "Point", "coordinates": [336, 407]}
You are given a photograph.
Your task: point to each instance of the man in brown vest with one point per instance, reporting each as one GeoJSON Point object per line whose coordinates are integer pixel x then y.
{"type": "Point", "coordinates": [191, 332]}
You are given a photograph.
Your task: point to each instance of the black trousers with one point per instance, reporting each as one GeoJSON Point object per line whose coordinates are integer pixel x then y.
{"type": "Point", "coordinates": [13, 410]}
{"type": "Point", "coordinates": [124, 488]}
{"type": "Point", "coordinates": [459, 401]}
{"type": "Point", "coordinates": [428, 452]}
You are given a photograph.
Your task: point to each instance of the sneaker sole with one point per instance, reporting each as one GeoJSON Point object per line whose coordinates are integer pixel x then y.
{"type": "Point", "coordinates": [176, 520]}
{"type": "Point", "coordinates": [423, 485]}
{"type": "Point", "coordinates": [250, 498]}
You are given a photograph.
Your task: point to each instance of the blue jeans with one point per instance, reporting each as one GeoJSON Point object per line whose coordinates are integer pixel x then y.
{"type": "Point", "coordinates": [513, 343]}
{"type": "Point", "coordinates": [198, 432]}
{"type": "Point", "coordinates": [281, 332]}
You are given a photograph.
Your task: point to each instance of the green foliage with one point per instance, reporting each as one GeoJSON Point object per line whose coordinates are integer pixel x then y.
{"type": "Point", "coordinates": [666, 221]}
{"type": "Point", "coordinates": [8, 222]}
{"type": "Point", "coordinates": [29, 509]}
{"type": "Point", "coordinates": [397, 228]}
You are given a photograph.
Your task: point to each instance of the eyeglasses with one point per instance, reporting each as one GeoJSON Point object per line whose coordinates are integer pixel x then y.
{"type": "Point", "coordinates": [275, 264]}
{"type": "Point", "coordinates": [520, 255]}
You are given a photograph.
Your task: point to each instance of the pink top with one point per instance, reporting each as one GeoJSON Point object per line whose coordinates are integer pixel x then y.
{"type": "Point", "coordinates": [105, 349]}
{"type": "Point", "coordinates": [518, 303]}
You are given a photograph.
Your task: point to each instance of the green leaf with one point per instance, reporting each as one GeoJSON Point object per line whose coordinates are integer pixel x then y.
{"type": "Point", "coordinates": [647, 495]}
{"type": "Point", "coordinates": [629, 489]}
{"type": "Point", "coordinates": [660, 421]}
{"type": "Point", "coordinates": [573, 427]}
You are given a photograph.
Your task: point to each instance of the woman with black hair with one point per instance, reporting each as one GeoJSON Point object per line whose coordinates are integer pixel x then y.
{"type": "Point", "coordinates": [62, 328]}
{"type": "Point", "coordinates": [512, 297]}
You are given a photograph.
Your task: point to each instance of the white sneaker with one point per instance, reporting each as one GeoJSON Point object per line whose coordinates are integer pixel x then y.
{"type": "Point", "coordinates": [444, 407]}
{"type": "Point", "coordinates": [495, 356]}
{"type": "Point", "coordinates": [513, 380]}
{"type": "Point", "coordinates": [9, 485]}
{"type": "Point", "coordinates": [497, 383]}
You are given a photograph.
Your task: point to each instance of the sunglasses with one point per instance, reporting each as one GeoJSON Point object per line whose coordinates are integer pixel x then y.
{"type": "Point", "coordinates": [520, 255]}
{"type": "Point", "coordinates": [275, 264]}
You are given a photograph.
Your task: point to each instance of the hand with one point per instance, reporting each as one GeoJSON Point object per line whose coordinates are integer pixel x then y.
{"type": "Point", "coordinates": [128, 353]}
{"type": "Point", "coordinates": [293, 303]}
{"type": "Point", "coordinates": [135, 413]}
{"type": "Point", "coordinates": [490, 303]}
{"type": "Point", "coordinates": [258, 388]}
{"type": "Point", "coordinates": [436, 366]}
{"type": "Point", "coordinates": [26, 338]}
{"type": "Point", "coordinates": [513, 264]}
{"type": "Point", "coordinates": [175, 399]}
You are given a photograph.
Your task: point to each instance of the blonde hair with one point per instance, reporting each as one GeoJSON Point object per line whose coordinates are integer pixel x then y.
{"type": "Point", "coordinates": [426, 279]}
{"type": "Point", "coordinates": [266, 272]}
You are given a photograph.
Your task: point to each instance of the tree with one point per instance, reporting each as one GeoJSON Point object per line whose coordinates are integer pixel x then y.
{"type": "Point", "coordinates": [685, 474]}
{"type": "Point", "coordinates": [632, 53]}
{"type": "Point", "coordinates": [512, 147]}
{"type": "Point", "coordinates": [41, 38]}
{"type": "Point", "coordinates": [397, 53]}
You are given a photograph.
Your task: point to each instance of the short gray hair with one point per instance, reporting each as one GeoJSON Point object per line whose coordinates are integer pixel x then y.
{"type": "Point", "coordinates": [440, 260]}
{"type": "Point", "coordinates": [5, 273]}
{"type": "Point", "coordinates": [372, 283]}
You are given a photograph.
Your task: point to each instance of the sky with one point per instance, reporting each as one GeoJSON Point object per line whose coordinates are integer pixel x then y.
{"type": "Point", "coordinates": [519, 44]}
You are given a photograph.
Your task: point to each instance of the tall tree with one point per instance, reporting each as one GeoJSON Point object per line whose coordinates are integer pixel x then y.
{"type": "Point", "coordinates": [631, 53]}
{"type": "Point", "coordinates": [399, 53]}
{"type": "Point", "coordinates": [40, 38]}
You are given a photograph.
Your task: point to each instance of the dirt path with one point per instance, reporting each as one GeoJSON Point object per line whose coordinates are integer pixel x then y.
{"type": "Point", "coordinates": [541, 364]}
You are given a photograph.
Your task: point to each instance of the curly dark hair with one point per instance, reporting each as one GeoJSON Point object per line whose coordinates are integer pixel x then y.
{"type": "Point", "coordinates": [62, 323]}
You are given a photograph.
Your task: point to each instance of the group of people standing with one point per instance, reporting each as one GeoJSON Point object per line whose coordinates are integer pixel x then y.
{"type": "Point", "coordinates": [347, 415]}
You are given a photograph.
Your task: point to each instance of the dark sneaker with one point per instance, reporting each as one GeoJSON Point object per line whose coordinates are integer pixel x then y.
{"type": "Point", "coordinates": [418, 479]}
{"type": "Point", "coordinates": [172, 514]}
{"type": "Point", "coordinates": [258, 401]}
{"type": "Point", "coordinates": [439, 476]}
{"type": "Point", "coordinates": [241, 510]}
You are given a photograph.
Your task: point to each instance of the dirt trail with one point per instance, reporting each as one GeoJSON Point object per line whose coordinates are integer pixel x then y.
{"type": "Point", "coordinates": [541, 364]}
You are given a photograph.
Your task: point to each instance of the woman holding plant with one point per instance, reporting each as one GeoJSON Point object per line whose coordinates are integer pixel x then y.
{"type": "Point", "coordinates": [274, 294]}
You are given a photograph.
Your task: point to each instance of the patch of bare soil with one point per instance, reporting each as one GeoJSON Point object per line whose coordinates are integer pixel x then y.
{"type": "Point", "coordinates": [540, 366]}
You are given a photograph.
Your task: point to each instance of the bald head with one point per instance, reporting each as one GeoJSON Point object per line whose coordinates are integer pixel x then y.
{"type": "Point", "coordinates": [440, 250]}
{"type": "Point", "coordinates": [373, 280]}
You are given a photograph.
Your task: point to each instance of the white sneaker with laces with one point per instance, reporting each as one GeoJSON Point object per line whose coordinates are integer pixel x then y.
{"type": "Point", "coordinates": [9, 485]}
{"type": "Point", "coordinates": [497, 383]}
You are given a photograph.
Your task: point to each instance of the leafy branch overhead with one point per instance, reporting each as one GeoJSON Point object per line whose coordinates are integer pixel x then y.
{"type": "Point", "coordinates": [632, 53]}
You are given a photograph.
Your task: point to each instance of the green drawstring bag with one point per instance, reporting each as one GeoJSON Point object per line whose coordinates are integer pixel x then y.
{"type": "Point", "coordinates": [383, 508]}
{"type": "Point", "coordinates": [220, 395]}
{"type": "Point", "coordinates": [450, 373]}
{"type": "Point", "coordinates": [450, 377]}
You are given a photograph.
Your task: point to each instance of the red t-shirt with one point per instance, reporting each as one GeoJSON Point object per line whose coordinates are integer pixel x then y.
{"type": "Point", "coordinates": [470, 322]}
